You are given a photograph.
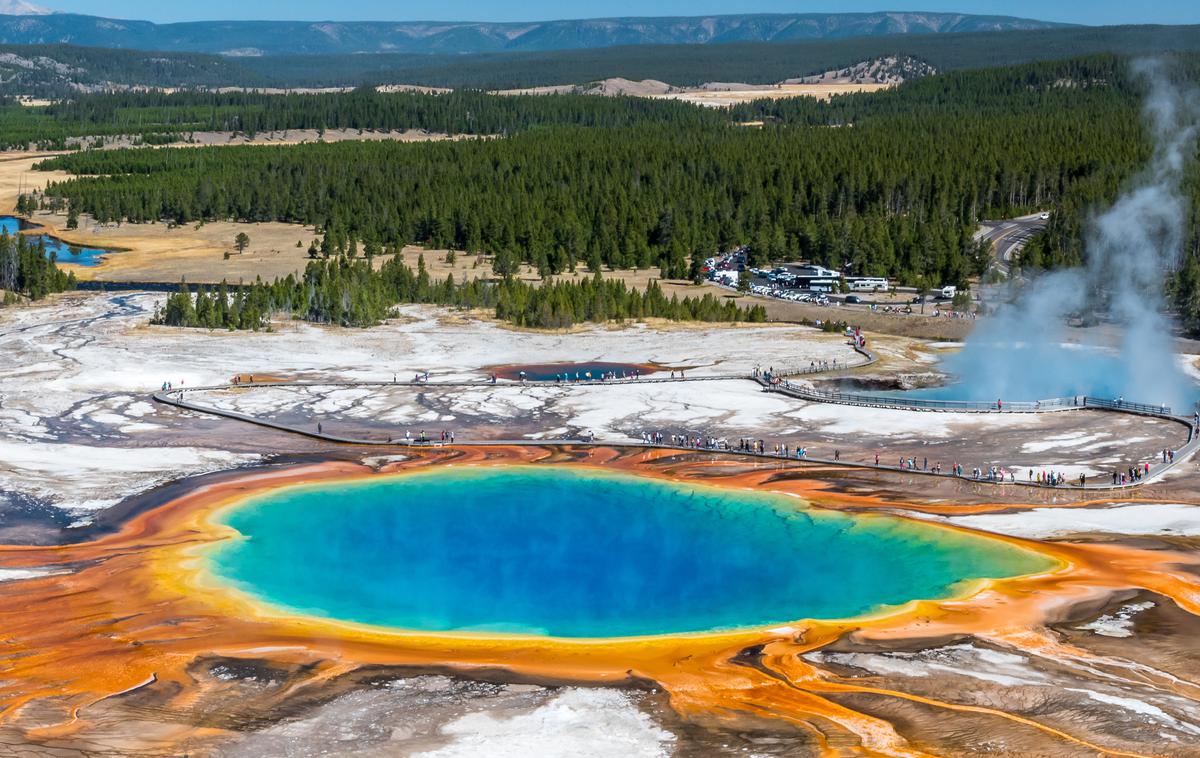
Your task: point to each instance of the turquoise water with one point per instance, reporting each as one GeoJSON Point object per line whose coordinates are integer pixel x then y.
{"type": "Point", "coordinates": [571, 372]}
{"type": "Point", "coordinates": [572, 552]}
{"type": "Point", "coordinates": [1065, 372]}
{"type": "Point", "coordinates": [1027, 374]}
{"type": "Point", "coordinates": [81, 256]}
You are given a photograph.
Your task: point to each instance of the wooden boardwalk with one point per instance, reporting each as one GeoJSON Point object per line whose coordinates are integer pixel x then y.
{"type": "Point", "coordinates": [178, 399]}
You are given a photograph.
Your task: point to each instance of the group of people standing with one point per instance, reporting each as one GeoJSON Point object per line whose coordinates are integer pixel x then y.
{"type": "Point", "coordinates": [1131, 474]}
{"type": "Point", "coordinates": [743, 445]}
{"type": "Point", "coordinates": [1052, 478]}
{"type": "Point", "coordinates": [423, 437]}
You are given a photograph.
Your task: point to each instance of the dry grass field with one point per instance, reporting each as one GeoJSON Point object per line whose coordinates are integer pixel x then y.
{"type": "Point", "coordinates": [197, 253]}
{"type": "Point", "coordinates": [723, 98]}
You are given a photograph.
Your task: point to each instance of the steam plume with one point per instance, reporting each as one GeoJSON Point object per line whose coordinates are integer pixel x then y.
{"type": "Point", "coordinates": [1020, 352]}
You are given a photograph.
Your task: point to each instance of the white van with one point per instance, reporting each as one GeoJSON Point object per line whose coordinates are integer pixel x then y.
{"type": "Point", "coordinates": [949, 292]}
{"type": "Point", "coordinates": [869, 284]}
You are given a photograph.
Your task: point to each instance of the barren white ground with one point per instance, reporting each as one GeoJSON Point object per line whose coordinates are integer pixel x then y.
{"type": "Point", "coordinates": [78, 431]}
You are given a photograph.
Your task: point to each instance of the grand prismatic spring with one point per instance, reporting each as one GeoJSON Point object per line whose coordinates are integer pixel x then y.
{"type": "Point", "coordinates": [585, 553]}
{"type": "Point", "coordinates": [394, 422]}
{"type": "Point", "coordinates": [713, 579]}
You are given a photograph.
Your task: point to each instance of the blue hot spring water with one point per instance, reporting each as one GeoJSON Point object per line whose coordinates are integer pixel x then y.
{"type": "Point", "coordinates": [81, 256]}
{"type": "Point", "coordinates": [576, 552]}
{"type": "Point", "coordinates": [1030, 374]}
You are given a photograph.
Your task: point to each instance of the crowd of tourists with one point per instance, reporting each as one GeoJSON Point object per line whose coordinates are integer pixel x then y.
{"type": "Point", "coordinates": [742, 445]}
{"type": "Point", "coordinates": [604, 376]}
{"type": "Point", "coordinates": [1131, 475]}
{"type": "Point", "coordinates": [423, 437]}
{"type": "Point", "coordinates": [993, 474]}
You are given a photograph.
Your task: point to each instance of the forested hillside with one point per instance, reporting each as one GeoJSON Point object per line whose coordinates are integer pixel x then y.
{"type": "Point", "coordinates": [68, 70]}
{"type": "Point", "coordinates": [893, 182]}
{"type": "Point", "coordinates": [348, 292]}
{"type": "Point", "coordinates": [160, 117]}
{"type": "Point", "coordinates": [65, 71]}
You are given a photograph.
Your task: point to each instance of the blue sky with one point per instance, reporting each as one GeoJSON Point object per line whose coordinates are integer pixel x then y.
{"type": "Point", "coordinates": [1076, 11]}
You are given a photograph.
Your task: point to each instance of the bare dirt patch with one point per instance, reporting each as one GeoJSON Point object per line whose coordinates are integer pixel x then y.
{"type": "Point", "coordinates": [723, 98]}
{"type": "Point", "coordinates": [712, 94]}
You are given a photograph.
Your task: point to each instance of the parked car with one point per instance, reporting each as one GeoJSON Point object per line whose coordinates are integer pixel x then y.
{"type": "Point", "coordinates": [853, 299]}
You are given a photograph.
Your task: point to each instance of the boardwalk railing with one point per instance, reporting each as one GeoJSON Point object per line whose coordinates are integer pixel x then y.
{"type": "Point", "coordinates": [971, 406]}
{"type": "Point", "coordinates": [176, 397]}
{"type": "Point", "coordinates": [818, 368]}
{"type": "Point", "coordinates": [1125, 405]}
{"type": "Point", "coordinates": [911, 403]}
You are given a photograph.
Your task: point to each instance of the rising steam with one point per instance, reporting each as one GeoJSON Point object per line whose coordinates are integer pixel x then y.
{"type": "Point", "coordinates": [1020, 352]}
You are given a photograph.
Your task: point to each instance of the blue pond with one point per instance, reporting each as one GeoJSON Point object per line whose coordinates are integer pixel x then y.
{"type": "Point", "coordinates": [571, 372]}
{"type": "Point", "coordinates": [573, 552]}
{"type": "Point", "coordinates": [80, 256]}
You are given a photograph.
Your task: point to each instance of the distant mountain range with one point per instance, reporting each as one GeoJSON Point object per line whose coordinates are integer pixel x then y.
{"type": "Point", "coordinates": [21, 8]}
{"type": "Point", "coordinates": [263, 38]}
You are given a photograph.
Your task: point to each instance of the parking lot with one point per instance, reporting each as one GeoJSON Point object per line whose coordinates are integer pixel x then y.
{"type": "Point", "coordinates": [805, 283]}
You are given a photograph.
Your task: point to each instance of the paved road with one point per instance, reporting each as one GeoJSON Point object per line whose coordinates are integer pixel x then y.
{"type": "Point", "coordinates": [1009, 236]}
